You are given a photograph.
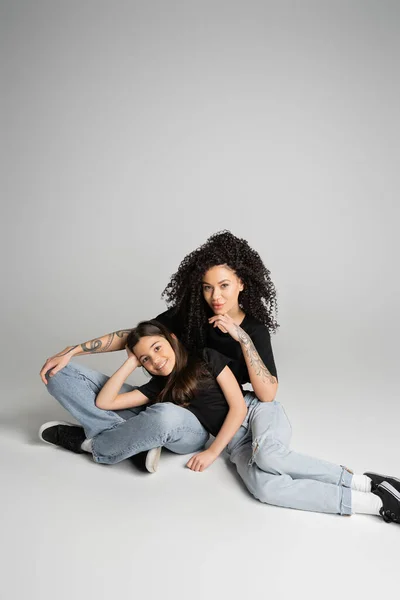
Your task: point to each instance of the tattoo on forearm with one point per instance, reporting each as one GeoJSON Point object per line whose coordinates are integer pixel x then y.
{"type": "Point", "coordinates": [255, 359]}
{"type": "Point", "coordinates": [122, 332]}
{"type": "Point", "coordinates": [70, 350]}
{"type": "Point", "coordinates": [92, 346]}
{"type": "Point", "coordinates": [97, 345]}
{"type": "Point", "coordinates": [109, 342]}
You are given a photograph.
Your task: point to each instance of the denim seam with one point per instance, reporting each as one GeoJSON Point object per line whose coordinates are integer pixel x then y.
{"type": "Point", "coordinates": [344, 508]}
{"type": "Point", "coordinates": [130, 448]}
{"type": "Point", "coordinates": [343, 476]}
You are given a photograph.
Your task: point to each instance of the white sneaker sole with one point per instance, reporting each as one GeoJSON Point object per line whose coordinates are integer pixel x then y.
{"type": "Point", "coordinates": [51, 424]}
{"type": "Point", "coordinates": [152, 459]}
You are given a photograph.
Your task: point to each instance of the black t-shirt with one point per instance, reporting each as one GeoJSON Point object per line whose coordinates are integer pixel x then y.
{"type": "Point", "coordinates": [225, 344]}
{"type": "Point", "coordinates": [209, 404]}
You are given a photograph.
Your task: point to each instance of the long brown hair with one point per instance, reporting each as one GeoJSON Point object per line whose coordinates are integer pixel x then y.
{"type": "Point", "coordinates": [188, 371]}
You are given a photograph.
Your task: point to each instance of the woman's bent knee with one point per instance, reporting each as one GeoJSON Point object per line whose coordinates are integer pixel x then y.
{"type": "Point", "coordinates": [268, 456]}
{"type": "Point", "coordinates": [68, 370]}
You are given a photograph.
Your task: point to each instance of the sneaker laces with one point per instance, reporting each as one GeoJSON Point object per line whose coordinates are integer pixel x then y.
{"type": "Point", "coordinates": [389, 517]}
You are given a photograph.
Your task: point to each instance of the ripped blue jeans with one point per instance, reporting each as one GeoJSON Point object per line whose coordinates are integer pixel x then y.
{"type": "Point", "coordinates": [274, 474]}
{"type": "Point", "coordinates": [260, 449]}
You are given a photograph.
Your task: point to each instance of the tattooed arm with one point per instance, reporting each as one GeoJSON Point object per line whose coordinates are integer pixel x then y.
{"type": "Point", "coordinates": [264, 384]}
{"type": "Point", "coordinates": [108, 343]}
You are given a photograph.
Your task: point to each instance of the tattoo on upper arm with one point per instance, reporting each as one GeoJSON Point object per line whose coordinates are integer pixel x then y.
{"type": "Point", "coordinates": [255, 359]}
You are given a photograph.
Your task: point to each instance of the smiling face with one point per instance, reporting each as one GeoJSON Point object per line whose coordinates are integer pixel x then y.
{"type": "Point", "coordinates": [156, 355]}
{"type": "Point", "coordinates": [221, 288]}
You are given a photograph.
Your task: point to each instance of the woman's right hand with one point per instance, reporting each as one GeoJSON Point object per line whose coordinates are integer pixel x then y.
{"type": "Point", "coordinates": [56, 363]}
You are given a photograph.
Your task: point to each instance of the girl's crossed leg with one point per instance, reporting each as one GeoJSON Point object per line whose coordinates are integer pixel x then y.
{"type": "Point", "coordinates": [117, 435]}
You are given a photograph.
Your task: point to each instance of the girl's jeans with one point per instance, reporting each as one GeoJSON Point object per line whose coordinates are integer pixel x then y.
{"type": "Point", "coordinates": [260, 449]}
{"type": "Point", "coordinates": [119, 434]}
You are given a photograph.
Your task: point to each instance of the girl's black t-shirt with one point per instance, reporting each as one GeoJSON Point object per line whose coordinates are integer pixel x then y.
{"type": "Point", "coordinates": [225, 344]}
{"type": "Point", "coordinates": [209, 404]}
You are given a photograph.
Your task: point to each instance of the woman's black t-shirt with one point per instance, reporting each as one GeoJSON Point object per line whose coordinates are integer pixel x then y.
{"type": "Point", "coordinates": [225, 344]}
{"type": "Point", "coordinates": [209, 404]}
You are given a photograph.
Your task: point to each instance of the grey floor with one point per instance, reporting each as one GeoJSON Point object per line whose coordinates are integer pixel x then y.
{"type": "Point", "coordinates": [74, 529]}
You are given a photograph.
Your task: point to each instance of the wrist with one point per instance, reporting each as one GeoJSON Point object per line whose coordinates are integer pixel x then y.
{"type": "Point", "coordinates": [131, 363]}
{"type": "Point", "coordinates": [213, 451]}
{"type": "Point", "coordinates": [73, 350]}
{"type": "Point", "coordinates": [244, 337]}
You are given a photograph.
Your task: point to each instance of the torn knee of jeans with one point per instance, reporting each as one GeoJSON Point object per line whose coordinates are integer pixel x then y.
{"type": "Point", "coordinates": [255, 448]}
{"type": "Point", "coordinates": [269, 446]}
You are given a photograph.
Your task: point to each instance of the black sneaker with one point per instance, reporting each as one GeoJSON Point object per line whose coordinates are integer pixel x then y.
{"type": "Point", "coordinates": [66, 435]}
{"type": "Point", "coordinates": [377, 479]}
{"type": "Point", "coordinates": [390, 497]}
{"type": "Point", "coordinates": [147, 461]}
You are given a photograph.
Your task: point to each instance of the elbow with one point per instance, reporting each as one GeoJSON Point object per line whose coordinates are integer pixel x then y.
{"type": "Point", "coordinates": [269, 395]}
{"type": "Point", "coordinates": [101, 405]}
{"type": "Point", "coordinates": [267, 398]}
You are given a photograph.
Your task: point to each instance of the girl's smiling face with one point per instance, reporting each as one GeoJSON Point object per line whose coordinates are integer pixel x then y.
{"type": "Point", "coordinates": [156, 355]}
{"type": "Point", "coordinates": [221, 288]}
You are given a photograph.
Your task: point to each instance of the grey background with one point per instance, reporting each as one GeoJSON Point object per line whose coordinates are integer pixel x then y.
{"type": "Point", "coordinates": [131, 132]}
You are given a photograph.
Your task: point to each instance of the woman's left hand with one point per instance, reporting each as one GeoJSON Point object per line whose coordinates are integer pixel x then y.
{"type": "Point", "coordinates": [200, 462]}
{"type": "Point", "coordinates": [226, 324]}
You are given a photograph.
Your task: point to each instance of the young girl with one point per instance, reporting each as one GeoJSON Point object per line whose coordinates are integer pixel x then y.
{"type": "Point", "coordinates": [206, 387]}
{"type": "Point", "coordinates": [203, 385]}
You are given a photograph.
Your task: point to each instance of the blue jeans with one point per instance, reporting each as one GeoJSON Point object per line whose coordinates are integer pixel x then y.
{"type": "Point", "coordinates": [274, 474]}
{"type": "Point", "coordinates": [117, 435]}
{"type": "Point", "coordinates": [260, 449]}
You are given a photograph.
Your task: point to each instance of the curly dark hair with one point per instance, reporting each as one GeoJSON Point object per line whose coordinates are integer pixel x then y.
{"type": "Point", "coordinates": [184, 290]}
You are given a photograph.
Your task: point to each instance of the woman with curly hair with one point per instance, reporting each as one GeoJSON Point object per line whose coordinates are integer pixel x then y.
{"type": "Point", "coordinates": [222, 298]}
{"type": "Point", "coordinates": [194, 304]}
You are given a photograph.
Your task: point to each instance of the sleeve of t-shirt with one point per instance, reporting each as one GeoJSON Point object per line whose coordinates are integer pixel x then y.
{"type": "Point", "coordinates": [262, 341]}
{"type": "Point", "coordinates": [152, 388]}
{"type": "Point", "coordinates": [215, 361]}
{"type": "Point", "coordinates": [169, 320]}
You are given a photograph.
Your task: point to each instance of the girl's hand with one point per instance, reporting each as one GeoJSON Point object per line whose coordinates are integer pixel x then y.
{"type": "Point", "coordinates": [226, 324]}
{"type": "Point", "coordinates": [200, 462]}
{"type": "Point", "coordinates": [132, 358]}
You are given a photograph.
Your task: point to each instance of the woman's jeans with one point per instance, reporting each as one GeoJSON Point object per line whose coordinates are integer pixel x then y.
{"type": "Point", "coordinates": [260, 449]}
{"type": "Point", "coordinates": [274, 474]}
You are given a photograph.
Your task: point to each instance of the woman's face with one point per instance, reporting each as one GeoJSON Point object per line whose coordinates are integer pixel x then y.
{"type": "Point", "coordinates": [221, 287]}
{"type": "Point", "coordinates": [156, 355]}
